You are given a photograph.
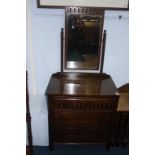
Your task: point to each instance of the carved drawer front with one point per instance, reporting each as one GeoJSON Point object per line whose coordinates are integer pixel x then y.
{"type": "Point", "coordinates": [107, 104]}
{"type": "Point", "coordinates": [67, 118]}
{"type": "Point", "coordinates": [70, 135]}
{"type": "Point", "coordinates": [81, 121]}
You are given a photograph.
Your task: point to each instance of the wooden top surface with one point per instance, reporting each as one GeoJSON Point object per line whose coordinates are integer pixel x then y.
{"type": "Point", "coordinates": [81, 84]}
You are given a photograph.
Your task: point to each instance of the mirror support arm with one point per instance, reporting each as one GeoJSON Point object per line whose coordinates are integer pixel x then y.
{"type": "Point", "coordinates": [62, 43]}
{"type": "Point", "coordinates": [103, 50]}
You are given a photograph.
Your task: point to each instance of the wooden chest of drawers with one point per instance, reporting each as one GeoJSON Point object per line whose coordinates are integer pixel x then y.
{"type": "Point", "coordinates": [81, 108]}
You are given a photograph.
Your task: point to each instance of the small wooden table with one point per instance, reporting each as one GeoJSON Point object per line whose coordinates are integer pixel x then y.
{"type": "Point", "coordinates": [121, 136]}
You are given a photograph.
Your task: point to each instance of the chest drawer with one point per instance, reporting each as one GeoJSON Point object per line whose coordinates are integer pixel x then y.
{"type": "Point", "coordinates": [106, 104]}
{"type": "Point", "coordinates": [84, 119]}
{"type": "Point", "coordinates": [81, 136]}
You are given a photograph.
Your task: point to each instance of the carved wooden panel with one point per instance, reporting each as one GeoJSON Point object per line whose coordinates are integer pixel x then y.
{"type": "Point", "coordinates": [84, 10]}
{"type": "Point", "coordinates": [106, 105]}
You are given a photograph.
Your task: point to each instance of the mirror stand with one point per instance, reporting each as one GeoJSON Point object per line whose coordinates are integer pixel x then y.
{"type": "Point", "coordinates": [83, 41]}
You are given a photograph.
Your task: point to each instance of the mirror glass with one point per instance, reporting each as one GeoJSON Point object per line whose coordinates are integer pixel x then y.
{"type": "Point", "coordinates": [83, 34]}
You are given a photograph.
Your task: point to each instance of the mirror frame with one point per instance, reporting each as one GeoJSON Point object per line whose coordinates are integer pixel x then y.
{"type": "Point", "coordinates": [64, 37]}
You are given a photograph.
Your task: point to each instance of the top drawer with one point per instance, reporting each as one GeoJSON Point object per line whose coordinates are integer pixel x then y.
{"type": "Point", "coordinates": [107, 104]}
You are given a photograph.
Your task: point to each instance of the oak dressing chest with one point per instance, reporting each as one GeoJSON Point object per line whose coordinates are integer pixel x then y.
{"type": "Point", "coordinates": [81, 107]}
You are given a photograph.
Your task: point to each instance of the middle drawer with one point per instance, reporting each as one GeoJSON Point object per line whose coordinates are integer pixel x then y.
{"type": "Point", "coordinates": [87, 119]}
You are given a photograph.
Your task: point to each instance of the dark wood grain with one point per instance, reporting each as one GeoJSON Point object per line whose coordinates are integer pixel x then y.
{"type": "Point", "coordinates": [62, 43]}
{"type": "Point", "coordinates": [83, 111]}
{"type": "Point", "coordinates": [103, 50]}
{"type": "Point", "coordinates": [81, 84]}
{"type": "Point", "coordinates": [28, 152]}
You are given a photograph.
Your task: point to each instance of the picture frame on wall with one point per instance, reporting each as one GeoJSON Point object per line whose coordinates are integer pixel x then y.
{"type": "Point", "coordinates": [107, 4]}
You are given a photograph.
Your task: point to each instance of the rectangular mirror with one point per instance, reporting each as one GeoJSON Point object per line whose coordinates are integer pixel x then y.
{"type": "Point", "coordinates": [83, 42]}
{"type": "Point", "coordinates": [83, 39]}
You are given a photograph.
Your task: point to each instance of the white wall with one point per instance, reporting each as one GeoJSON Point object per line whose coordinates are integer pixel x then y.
{"type": "Point", "coordinates": [43, 57]}
{"type": "Point", "coordinates": [116, 62]}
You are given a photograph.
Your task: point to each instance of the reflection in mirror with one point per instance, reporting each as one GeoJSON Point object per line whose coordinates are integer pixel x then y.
{"type": "Point", "coordinates": [83, 41]}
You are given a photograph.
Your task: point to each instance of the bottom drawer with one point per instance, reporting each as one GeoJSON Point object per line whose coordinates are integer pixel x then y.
{"type": "Point", "coordinates": [80, 136]}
